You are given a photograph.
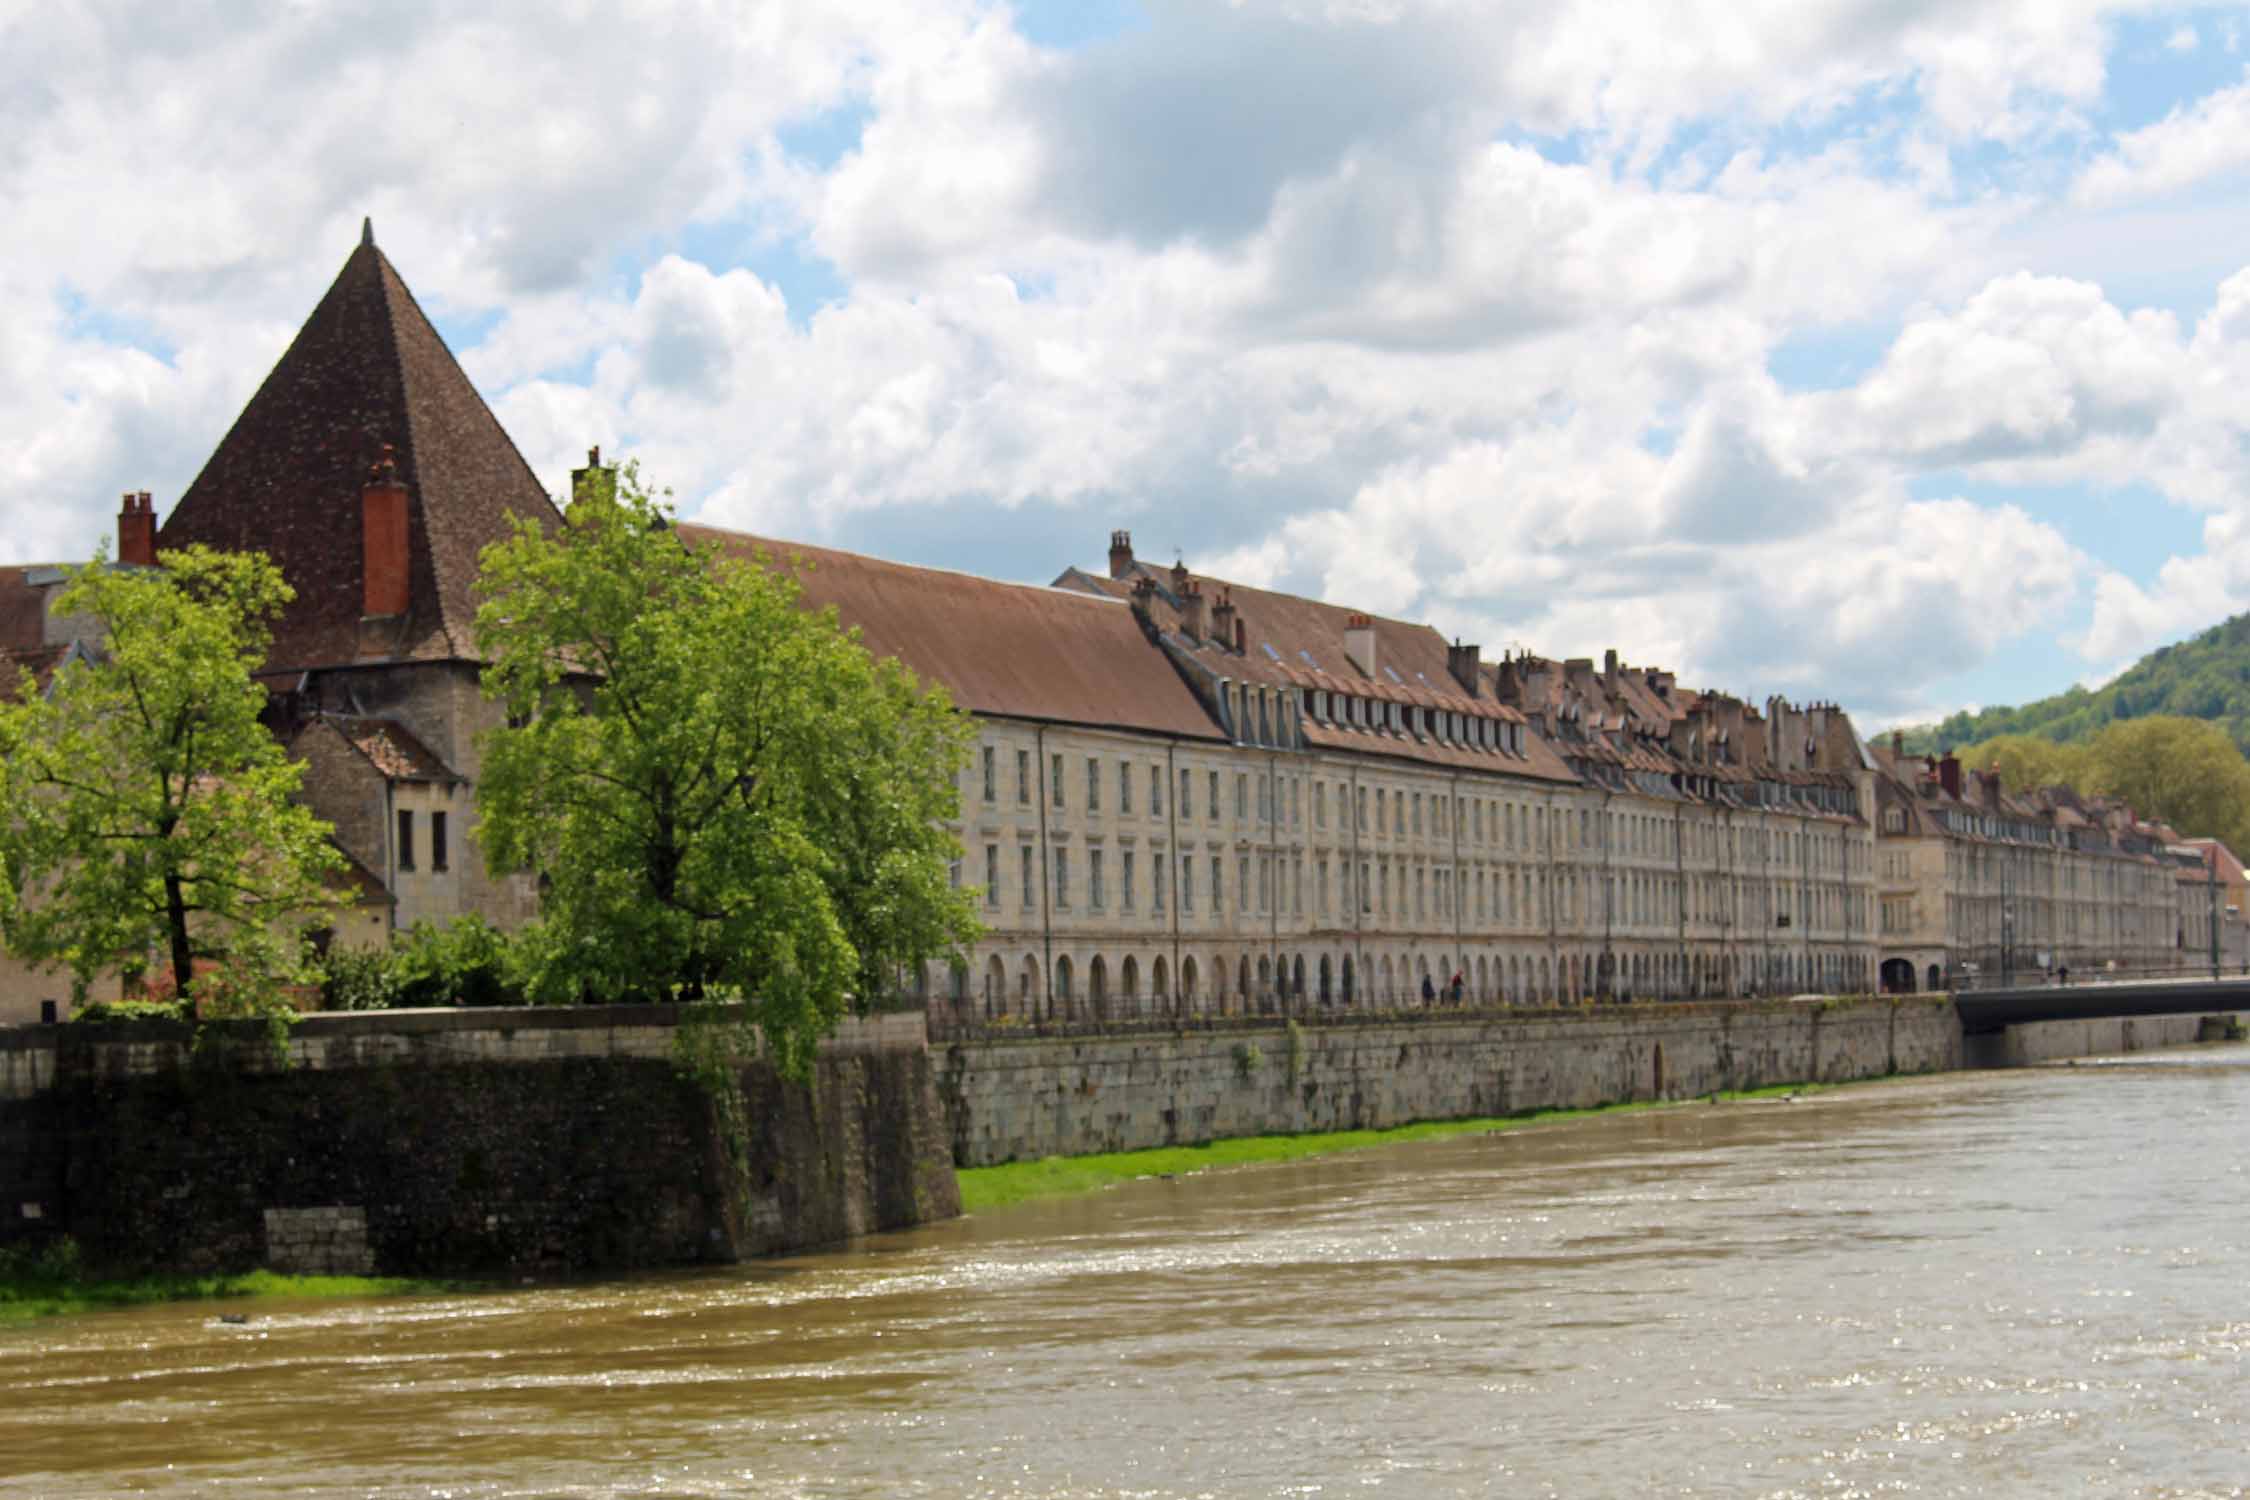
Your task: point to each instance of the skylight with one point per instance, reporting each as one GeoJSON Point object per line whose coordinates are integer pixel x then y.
{"type": "Point", "coordinates": [1268, 645]}
{"type": "Point", "coordinates": [1393, 676]}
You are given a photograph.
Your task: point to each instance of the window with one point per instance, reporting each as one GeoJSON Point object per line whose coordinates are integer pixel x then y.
{"type": "Point", "coordinates": [1320, 804]}
{"type": "Point", "coordinates": [1214, 802]}
{"type": "Point", "coordinates": [1030, 889]}
{"type": "Point", "coordinates": [437, 841]}
{"type": "Point", "coordinates": [1187, 801]}
{"type": "Point", "coordinates": [1125, 787]}
{"type": "Point", "coordinates": [1155, 792]}
{"type": "Point", "coordinates": [1125, 879]}
{"type": "Point", "coordinates": [1156, 868]}
{"type": "Point", "coordinates": [1320, 887]}
{"type": "Point", "coordinates": [1095, 895]}
{"type": "Point", "coordinates": [1055, 779]}
{"type": "Point", "coordinates": [1062, 877]}
{"type": "Point", "coordinates": [1187, 884]}
{"type": "Point", "coordinates": [1417, 812]}
{"type": "Point", "coordinates": [405, 839]}
{"type": "Point", "coordinates": [992, 877]}
{"type": "Point", "coordinates": [1378, 809]}
{"type": "Point", "coordinates": [1242, 884]}
{"type": "Point", "coordinates": [1023, 777]}
{"type": "Point", "coordinates": [991, 770]}
{"type": "Point", "coordinates": [1218, 886]}
{"type": "Point", "coordinates": [1093, 784]}
{"type": "Point", "coordinates": [1296, 809]}
{"type": "Point", "coordinates": [1241, 797]}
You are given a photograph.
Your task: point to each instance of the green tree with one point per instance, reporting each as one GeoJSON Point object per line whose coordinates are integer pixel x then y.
{"type": "Point", "coordinates": [728, 797]}
{"type": "Point", "coordinates": [144, 809]}
{"type": "Point", "coordinates": [2187, 772]}
{"type": "Point", "coordinates": [2027, 762]}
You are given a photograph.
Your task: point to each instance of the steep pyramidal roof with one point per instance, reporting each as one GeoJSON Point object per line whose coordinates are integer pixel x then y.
{"type": "Point", "coordinates": [366, 369]}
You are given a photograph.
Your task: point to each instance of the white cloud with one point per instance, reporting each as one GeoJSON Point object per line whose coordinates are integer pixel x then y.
{"type": "Point", "coordinates": [2188, 147]}
{"type": "Point", "coordinates": [1442, 307]}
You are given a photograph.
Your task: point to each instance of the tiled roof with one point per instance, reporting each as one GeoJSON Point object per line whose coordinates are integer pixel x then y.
{"type": "Point", "coordinates": [392, 748]}
{"type": "Point", "coordinates": [998, 648]}
{"type": "Point", "coordinates": [1304, 633]}
{"type": "Point", "coordinates": [365, 370]}
{"type": "Point", "coordinates": [23, 624]}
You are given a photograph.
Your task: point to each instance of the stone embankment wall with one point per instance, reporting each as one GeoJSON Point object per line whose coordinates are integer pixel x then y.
{"type": "Point", "coordinates": [2102, 1036]}
{"type": "Point", "coordinates": [457, 1141]}
{"type": "Point", "coordinates": [1012, 1099]}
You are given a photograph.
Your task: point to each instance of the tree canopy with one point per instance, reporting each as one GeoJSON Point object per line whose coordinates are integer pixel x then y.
{"type": "Point", "coordinates": [2186, 772]}
{"type": "Point", "coordinates": [144, 809]}
{"type": "Point", "coordinates": [725, 794]}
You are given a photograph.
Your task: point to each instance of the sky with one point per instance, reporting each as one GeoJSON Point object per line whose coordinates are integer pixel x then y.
{"type": "Point", "coordinates": [1889, 352]}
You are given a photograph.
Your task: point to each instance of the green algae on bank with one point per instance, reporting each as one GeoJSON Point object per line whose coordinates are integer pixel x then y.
{"type": "Point", "coordinates": [1067, 1176]}
{"type": "Point", "coordinates": [27, 1293]}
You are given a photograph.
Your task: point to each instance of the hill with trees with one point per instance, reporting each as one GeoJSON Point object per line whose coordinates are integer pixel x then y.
{"type": "Point", "coordinates": [2207, 677]}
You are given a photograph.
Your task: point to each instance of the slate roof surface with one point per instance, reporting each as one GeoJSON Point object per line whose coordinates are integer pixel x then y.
{"type": "Point", "coordinates": [1297, 628]}
{"type": "Point", "coordinates": [998, 648]}
{"type": "Point", "coordinates": [365, 370]}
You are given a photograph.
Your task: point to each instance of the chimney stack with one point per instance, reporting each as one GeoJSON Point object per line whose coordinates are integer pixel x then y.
{"type": "Point", "coordinates": [1609, 668]}
{"type": "Point", "coordinates": [383, 540]}
{"type": "Point", "coordinates": [1222, 618]}
{"type": "Point", "coordinates": [1241, 636]}
{"type": "Point", "coordinates": [596, 479]}
{"type": "Point", "coordinates": [136, 530]}
{"type": "Point", "coordinates": [1191, 609]}
{"type": "Point", "coordinates": [1949, 774]}
{"type": "Point", "coordinates": [1461, 661]}
{"type": "Point", "coordinates": [1120, 553]}
{"type": "Point", "coordinates": [1359, 642]}
{"type": "Point", "coordinates": [1179, 580]}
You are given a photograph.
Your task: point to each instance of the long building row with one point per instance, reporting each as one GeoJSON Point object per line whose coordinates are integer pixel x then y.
{"type": "Point", "coordinates": [1188, 795]}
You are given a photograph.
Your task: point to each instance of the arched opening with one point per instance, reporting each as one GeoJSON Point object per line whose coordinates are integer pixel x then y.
{"type": "Point", "coordinates": [1327, 980]}
{"type": "Point", "coordinates": [957, 981]}
{"type": "Point", "coordinates": [1898, 976]}
{"type": "Point", "coordinates": [1097, 988]}
{"type": "Point", "coordinates": [1265, 984]}
{"type": "Point", "coordinates": [1027, 989]}
{"type": "Point", "coordinates": [1384, 979]}
{"type": "Point", "coordinates": [1159, 984]}
{"type": "Point", "coordinates": [1063, 997]}
{"type": "Point", "coordinates": [1347, 979]}
{"type": "Point", "coordinates": [1129, 993]}
{"type": "Point", "coordinates": [1937, 979]}
{"type": "Point", "coordinates": [1242, 983]}
{"type": "Point", "coordinates": [1297, 979]}
{"type": "Point", "coordinates": [1187, 983]}
{"type": "Point", "coordinates": [995, 987]}
{"type": "Point", "coordinates": [1484, 982]}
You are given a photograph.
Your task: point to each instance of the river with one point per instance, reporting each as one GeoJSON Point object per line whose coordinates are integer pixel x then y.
{"type": "Point", "coordinates": [2027, 1283]}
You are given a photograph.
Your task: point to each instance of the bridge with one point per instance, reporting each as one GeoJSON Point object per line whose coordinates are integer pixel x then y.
{"type": "Point", "coordinates": [1986, 1011]}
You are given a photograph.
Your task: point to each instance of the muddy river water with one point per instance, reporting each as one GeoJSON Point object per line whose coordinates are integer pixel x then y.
{"type": "Point", "coordinates": [2030, 1283]}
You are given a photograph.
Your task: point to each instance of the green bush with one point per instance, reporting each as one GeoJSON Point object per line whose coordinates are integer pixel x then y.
{"type": "Point", "coordinates": [108, 1012]}
{"type": "Point", "coordinates": [467, 961]}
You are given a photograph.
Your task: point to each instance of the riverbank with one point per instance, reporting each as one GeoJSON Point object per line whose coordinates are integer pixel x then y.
{"type": "Point", "coordinates": [986, 1188]}
{"type": "Point", "coordinates": [51, 1286]}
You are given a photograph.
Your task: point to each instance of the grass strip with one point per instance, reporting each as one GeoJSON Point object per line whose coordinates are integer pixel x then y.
{"type": "Point", "coordinates": [1003, 1186]}
{"type": "Point", "coordinates": [26, 1294]}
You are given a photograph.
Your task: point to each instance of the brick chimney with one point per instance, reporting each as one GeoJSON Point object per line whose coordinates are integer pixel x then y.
{"type": "Point", "coordinates": [1241, 636]}
{"type": "Point", "coordinates": [383, 542]}
{"type": "Point", "coordinates": [1179, 580]}
{"type": "Point", "coordinates": [136, 530]}
{"type": "Point", "coordinates": [1120, 553]}
{"type": "Point", "coordinates": [1144, 590]}
{"type": "Point", "coordinates": [595, 479]}
{"type": "Point", "coordinates": [1222, 618]}
{"type": "Point", "coordinates": [1191, 607]}
{"type": "Point", "coordinates": [1898, 745]}
{"type": "Point", "coordinates": [1609, 668]}
{"type": "Point", "coordinates": [1359, 642]}
{"type": "Point", "coordinates": [1949, 774]}
{"type": "Point", "coordinates": [1461, 661]}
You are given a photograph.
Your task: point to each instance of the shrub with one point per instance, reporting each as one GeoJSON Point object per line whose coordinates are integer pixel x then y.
{"type": "Point", "coordinates": [112, 1012]}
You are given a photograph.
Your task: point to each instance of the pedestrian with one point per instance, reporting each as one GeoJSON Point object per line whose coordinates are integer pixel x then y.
{"type": "Point", "coordinates": [1429, 990]}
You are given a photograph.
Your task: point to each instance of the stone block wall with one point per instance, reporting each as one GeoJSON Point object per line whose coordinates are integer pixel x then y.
{"type": "Point", "coordinates": [1014, 1099]}
{"type": "Point", "coordinates": [433, 1142]}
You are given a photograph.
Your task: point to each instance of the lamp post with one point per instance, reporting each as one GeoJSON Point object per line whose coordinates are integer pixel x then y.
{"type": "Point", "coordinates": [2212, 855]}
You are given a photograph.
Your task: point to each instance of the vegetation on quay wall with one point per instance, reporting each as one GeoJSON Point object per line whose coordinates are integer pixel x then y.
{"type": "Point", "coordinates": [1069, 1176]}
{"type": "Point", "coordinates": [52, 1282]}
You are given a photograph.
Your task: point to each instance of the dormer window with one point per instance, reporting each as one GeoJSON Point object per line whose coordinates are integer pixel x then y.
{"type": "Point", "coordinates": [1320, 705]}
